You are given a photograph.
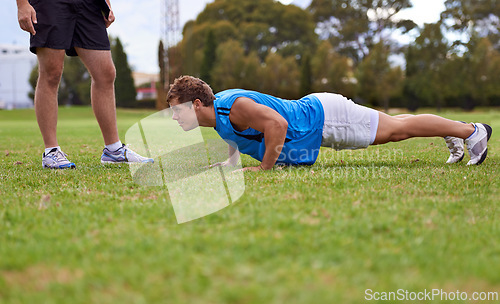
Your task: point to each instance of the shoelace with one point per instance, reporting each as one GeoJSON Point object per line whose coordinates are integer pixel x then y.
{"type": "Point", "coordinates": [58, 156]}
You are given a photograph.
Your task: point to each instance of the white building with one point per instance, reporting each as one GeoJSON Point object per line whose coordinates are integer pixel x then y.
{"type": "Point", "coordinates": [16, 63]}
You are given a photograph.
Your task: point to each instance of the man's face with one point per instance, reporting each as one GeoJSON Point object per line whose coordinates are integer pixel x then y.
{"type": "Point", "coordinates": [185, 115]}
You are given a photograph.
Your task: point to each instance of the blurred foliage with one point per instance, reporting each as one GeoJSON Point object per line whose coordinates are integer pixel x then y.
{"type": "Point", "coordinates": [348, 47]}
{"type": "Point", "coordinates": [354, 27]}
{"type": "Point", "coordinates": [471, 18]}
{"type": "Point", "coordinates": [125, 93]}
{"type": "Point", "coordinates": [378, 81]}
{"type": "Point", "coordinates": [209, 56]}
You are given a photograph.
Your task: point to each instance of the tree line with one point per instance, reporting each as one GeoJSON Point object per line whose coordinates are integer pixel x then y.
{"type": "Point", "coordinates": [351, 47]}
{"type": "Point", "coordinates": [357, 48]}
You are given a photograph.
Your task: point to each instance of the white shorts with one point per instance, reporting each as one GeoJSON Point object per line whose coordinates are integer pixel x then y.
{"type": "Point", "coordinates": [347, 125]}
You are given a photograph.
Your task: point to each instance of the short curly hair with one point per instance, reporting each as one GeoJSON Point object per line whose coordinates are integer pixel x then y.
{"type": "Point", "coordinates": [188, 88]}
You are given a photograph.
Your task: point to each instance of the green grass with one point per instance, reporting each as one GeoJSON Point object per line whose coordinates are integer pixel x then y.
{"type": "Point", "coordinates": [386, 218]}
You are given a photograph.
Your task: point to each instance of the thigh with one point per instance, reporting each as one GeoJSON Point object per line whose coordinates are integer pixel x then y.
{"type": "Point", "coordinates": [50, 61]}
{"type": "Point", "coordinates": [98, 62]}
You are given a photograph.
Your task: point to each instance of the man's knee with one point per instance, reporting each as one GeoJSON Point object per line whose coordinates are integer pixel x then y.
{"type": "Point", "coordinates": [105, 75]}
{"type": "Point", "coordinates": [50, 77]}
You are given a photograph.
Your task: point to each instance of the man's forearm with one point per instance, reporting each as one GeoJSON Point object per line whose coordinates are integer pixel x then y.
{"type": "Point", "coordinates": [274, 137]}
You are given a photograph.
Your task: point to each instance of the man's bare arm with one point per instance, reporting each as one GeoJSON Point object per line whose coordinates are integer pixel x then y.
{"type": "Point", "coordinates": [234, 156]}
{"type": "Point", "coordinates": [246, 113]}
{"type": "Point", "coordinates": [111, 17]}
{"type": "Point", "coordinates": [26, 16]}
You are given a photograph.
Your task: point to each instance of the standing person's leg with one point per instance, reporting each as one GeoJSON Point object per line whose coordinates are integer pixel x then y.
{"type": "Point", "coordinates": [50, 67]}
{"type": "Point", "coordinates": [102, 70]}
{"type": "Point", "coordinates": [476, 136]}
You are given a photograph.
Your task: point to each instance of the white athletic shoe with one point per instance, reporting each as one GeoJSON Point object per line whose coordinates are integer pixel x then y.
{"type": "Point", "coordinates": [477, 143]}
{"type": "Point", "coordinates": [456, 147]}
{"type": "Point", "coordinates": [56, 159]}
{"type": "Point", "coordinates": [124, 155]}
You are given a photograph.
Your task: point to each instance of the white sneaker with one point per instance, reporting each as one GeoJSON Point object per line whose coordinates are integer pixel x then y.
{"type": "Point", "coordinates": [456, 147]}
{"type": "Point", "coordinates": [56, 159]}
{"type": "Point", "coordinates": [123, 156]}
{"type": "Point", "coordinates": [477, 143]}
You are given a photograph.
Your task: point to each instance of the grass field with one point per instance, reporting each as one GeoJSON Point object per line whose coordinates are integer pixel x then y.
{"type": "Point", "coordinates": [386, 218]}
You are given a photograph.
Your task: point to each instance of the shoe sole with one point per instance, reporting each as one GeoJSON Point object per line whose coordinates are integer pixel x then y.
{"type": "Point", "coordinates": [489, 130]}
{"type": "Point", "coordinates": [59, 168]}
{"type": "Point", "coordinates": [113, 163]}
{"type": "Point", "coordinates": [119, 163]}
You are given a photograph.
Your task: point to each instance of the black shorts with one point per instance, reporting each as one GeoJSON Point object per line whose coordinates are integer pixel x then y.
{"type": "Point", "coordinates": [66, 24]}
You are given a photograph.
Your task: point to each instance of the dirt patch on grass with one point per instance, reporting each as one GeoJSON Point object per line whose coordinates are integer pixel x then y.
{"type": "Point", "coordinates": [39, 277]}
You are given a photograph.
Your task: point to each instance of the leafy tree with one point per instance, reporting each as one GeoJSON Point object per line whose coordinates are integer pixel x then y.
{"type": "Point", "coordinates": [378, 81]}
{"type": "Point", "coordinates": [480, 73]}
{"type": "Point", "coordinates": [124, 85]}
{"type": "Point", "coordinates": [233, 69]}
{"type": "Point", "coordinates": [162, 85]}
{"type": "Point", "coordinates": [477, 23]}
{"type": "Point", "coordinates": [262, 26]}
{"type": "Point", "coordinates": [280, 76]}
{"type": "Point", "coordinates": [209, 57]}
{"type": "Point", "coordinates": [471, 79]}
{"type": "Point", "coordinates": [354, 27]}
{"type": "Point", "coordinates": [412, 101]}
{"type": "Point", "coordinates": [227, 73]}
{"type": "Point", "coordinates": [471, 18]}
{"type": "Point", "coordinates": [251, 73]}
{"type": "Point", "coordinates": [332, 72]}
{"type": "Point", "coordinates": [426, 75]}
{"type": "Point", "coordinates": [305, 76]}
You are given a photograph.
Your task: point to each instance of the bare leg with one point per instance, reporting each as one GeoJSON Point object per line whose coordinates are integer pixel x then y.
{"type": "Point", "coordinates": [391, 129]}
{"type": "Point", "coordinates": [103, 73]}
{"type": "Point", "coordinates": [50, 65]}
{"type": "Point", "coordinates": [400, 116]}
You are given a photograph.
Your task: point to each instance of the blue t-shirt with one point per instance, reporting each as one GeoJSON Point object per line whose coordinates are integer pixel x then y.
{"type": "Point", "coordinates": [305, 119]}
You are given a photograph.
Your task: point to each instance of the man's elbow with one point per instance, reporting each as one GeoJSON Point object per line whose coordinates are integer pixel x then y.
{"type": "Point", "coordinates": [284, 125]}
{"type": "Point", "coordinates": [280, 125]}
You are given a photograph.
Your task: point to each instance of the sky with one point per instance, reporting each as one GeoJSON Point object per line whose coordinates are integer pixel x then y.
{"type": "Point", "coordinates": [138, 24]}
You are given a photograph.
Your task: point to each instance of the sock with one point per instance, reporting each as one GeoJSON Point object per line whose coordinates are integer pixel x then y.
{"type": "Point", "coordinates": [113, 147]}
{"type": "Point", "coordinates": [47, 150]}
{"type": "Point", "coordinates": [473, 133]}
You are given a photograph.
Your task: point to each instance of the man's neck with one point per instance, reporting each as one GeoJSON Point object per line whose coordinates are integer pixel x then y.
{"type": "Point", "coordinates": [207, 118]}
